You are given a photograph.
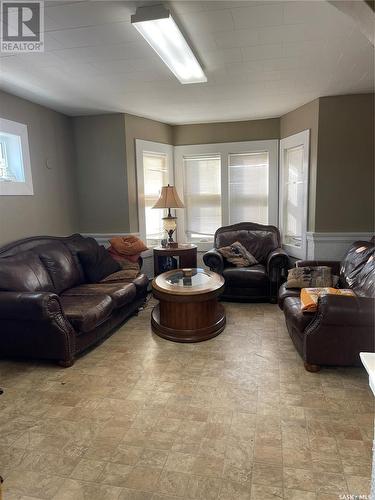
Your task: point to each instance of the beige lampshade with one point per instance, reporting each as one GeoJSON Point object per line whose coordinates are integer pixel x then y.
{"type": "Point", "coordinates": [168, 198]}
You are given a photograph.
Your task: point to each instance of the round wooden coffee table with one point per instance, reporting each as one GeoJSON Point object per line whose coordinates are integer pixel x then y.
{"type": "Point", "coordinates": [188, 309]}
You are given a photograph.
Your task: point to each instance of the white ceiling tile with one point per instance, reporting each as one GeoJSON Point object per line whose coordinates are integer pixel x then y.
{"type": "Point", "coordinates": [87, 13]}
{"type": "Point", "coordinates": [258, 52]}
{"type": "Point", "coordinates": [236, 38]}
{"type": "Point", "coordinates": [258, 15]}
{"type": "Point", "coordinates": [211, 22]}
{"type": "Point", "coordinates": [97, 35]}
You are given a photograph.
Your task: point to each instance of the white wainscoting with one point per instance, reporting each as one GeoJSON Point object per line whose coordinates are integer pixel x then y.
{"type": "Point", "coordinates": [332, 246]}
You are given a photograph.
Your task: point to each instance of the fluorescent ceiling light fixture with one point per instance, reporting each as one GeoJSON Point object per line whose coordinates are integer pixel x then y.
{"type": "Point", "coordinates": [158, 28]}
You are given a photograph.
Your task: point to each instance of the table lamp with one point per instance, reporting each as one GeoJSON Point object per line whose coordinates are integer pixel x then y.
{"type": "Point", "coordinates": [169, 199]}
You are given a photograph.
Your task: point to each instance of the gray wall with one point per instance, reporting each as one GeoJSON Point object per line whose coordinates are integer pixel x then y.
{"type": "Point", "coordinates": [206, 133]}
{"type": "Point", "coordinates": [52, 209]}
{"type": "Point", "coordinates": [345, 177]}
{"type": "Point", "coordinates": [148, 130]}
{"type": "Point", "coordinates": [101, 174]}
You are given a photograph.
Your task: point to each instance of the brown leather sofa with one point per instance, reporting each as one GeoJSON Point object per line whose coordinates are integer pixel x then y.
{"type": "Point", "coordinates": [254, 283]}
{"type": "Point", "coordinates": [342, 327]}
{"type": "Point", "coordinates": [51, 305]}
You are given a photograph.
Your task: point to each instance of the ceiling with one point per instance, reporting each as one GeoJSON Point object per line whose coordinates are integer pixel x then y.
{"type": "Point", "coordinates": [262, 59]}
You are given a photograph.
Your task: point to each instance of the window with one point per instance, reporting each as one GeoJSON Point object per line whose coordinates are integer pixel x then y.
{"type": "Point", "coordinates": [248, 187]}
{"type": "Point", "coordinates": [294, 152]}
{"type": "Point", "coordinates": [202, 196]}
{"type": "Point", "coordinates": [15, 172]}
{"type": "Point", "coordinates": [225, 184]}
{"type": "Point", "coordinates": [154, 170]}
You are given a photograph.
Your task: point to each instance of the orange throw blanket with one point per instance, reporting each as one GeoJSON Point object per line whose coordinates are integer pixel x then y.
{"type": "Point", "coordinates": [310, 296]}
{"type": "Point", "coordinates": [127, 245]}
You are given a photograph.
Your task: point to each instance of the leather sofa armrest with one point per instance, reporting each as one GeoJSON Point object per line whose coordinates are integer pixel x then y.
{"type": "Point", "coordinates": [29, 306]}
{"type": "Point", "coordinates": [340, 310]}
{"type": "Point", "coordinates": [333, 264]}
{"type": "Point", "coordinates": [214, 260]}
{"type": "Point", "coordinates": [277, 264]}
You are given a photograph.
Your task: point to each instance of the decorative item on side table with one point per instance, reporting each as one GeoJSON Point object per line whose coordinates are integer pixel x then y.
{"type": "Point", "coordinates": [169, 199]}
{"type": "Point", "coordinates": [182, 256]}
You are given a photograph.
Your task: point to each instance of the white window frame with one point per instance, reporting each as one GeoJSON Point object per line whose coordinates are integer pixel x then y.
{"type": "Point", "coordinates": [293, 141]}
{"type": "Point", "coordinates": [224, 150]}
{"type": "Point", "coordinates": [142, 146]}
{"type": "Point", "coordinates": [18, 188]}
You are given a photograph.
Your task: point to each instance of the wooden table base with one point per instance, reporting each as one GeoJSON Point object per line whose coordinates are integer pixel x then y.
{"type": "Point", "coordinates": [188, 321]}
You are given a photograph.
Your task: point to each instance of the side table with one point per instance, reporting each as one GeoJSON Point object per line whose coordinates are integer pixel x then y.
{"type": "Point", "coordinates": [186, 254]}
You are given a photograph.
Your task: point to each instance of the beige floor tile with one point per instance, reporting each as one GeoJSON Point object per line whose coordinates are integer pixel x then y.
{"type": "Point", "coordinates": [152, 458]}
{"type": "Point", "coordinates": [173, 483]}
{"type": "Point", "coordinates": [180, 462]}
{"type": "Point", "coordinates": [299, 495]}
{"type": "Point", "coordinates": [140, 413]}
{"type": "Point", "coordinates": [299, 479]}
{"type": "Point", "coordinates": [143, 478]}
{"type": "Point", "coordinates": [72, 489]}
{"type": "Point", "coordinates": [234, 491]}
{"type": "Point", "coordinates": [358, 485]}
{"type": "Point", "coordinates": [203, 488]}
{"type": "Point", "coordinates": [267, 475]}
{"type": "Point", "coordinates": [261, 492]}
{"type": "Point", "coordinates": [87, 470]}
{"type": "Point", "coordinates": [115, 474]}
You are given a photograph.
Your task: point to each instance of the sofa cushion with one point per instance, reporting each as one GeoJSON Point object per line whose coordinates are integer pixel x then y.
{"type": "Point", "coordinates": [246, 277]}
{"type": "Point", "coordinates": [86, 312]}
{"type": "Point", "coordinates": [120, 293]}
{"type": "Point", "coordinates": [60, 264]}
{"type": "Point", "coordinates": [97, 262]}
{"type": "Point", "coordinates": [24, 272]}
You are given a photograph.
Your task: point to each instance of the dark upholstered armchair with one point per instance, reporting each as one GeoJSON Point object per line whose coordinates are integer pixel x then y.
{"type": "Point", "coordinates": [258, 282]}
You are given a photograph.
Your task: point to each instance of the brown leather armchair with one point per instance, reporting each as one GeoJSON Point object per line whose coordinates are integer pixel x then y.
{"type": "Point", "coordinates": [254, 283]}
{"type": "Point", "coordinates": [342, 327]}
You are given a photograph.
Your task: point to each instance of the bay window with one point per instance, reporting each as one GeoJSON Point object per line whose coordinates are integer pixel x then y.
{"type": "Point", "coordinates": [223, 184]}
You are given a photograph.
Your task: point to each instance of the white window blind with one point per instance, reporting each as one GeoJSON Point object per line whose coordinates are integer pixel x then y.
{"type": "Point", "coordinates": [155, 175]}
{"type": "Point", "coordinates": [293, 197]}
{"type": "Point", "coordinates": [248, 187]}
{"type": "Point", "coordinates": [202, 196]}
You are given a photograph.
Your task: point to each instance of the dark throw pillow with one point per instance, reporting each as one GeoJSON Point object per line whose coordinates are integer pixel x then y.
{"type": "Point", "coordinates": [237, 255]}
{"type": "Point", "coordinates": [24, 272]}
{"type": "Point", "coordinates": [97, 263]}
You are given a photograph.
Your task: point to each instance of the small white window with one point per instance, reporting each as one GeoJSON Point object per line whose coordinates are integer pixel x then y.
{"type": "Point", "coordinates": [248, 187]}
{"type": "Point", "coordinates": [202, 196]}
{"type": "Point", "coordinates": [15, 170]}
{"type": "Point", "coordinates": [294, 157]}
{"type": "Point", "coordinates": [154, 170]}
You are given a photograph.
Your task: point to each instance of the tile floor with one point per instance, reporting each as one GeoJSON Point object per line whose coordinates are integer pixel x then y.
{"type": "Point", "coordinates": [140, 418]}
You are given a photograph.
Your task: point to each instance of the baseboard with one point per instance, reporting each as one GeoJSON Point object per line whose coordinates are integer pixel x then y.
{"type": "Point", "coordinates": [332, 245]}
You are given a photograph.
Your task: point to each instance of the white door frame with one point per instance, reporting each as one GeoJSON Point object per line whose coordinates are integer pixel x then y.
{"type": "Point", "coordinates": [293, 141]}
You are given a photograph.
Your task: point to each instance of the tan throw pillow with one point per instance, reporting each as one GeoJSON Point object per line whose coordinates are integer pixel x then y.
{"type": "Point", "coordinates": [307, 277]}
{"type": "Point", "coordinates": [238, 255]}
{"type": "Point", "coordinates": [130, 271]}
